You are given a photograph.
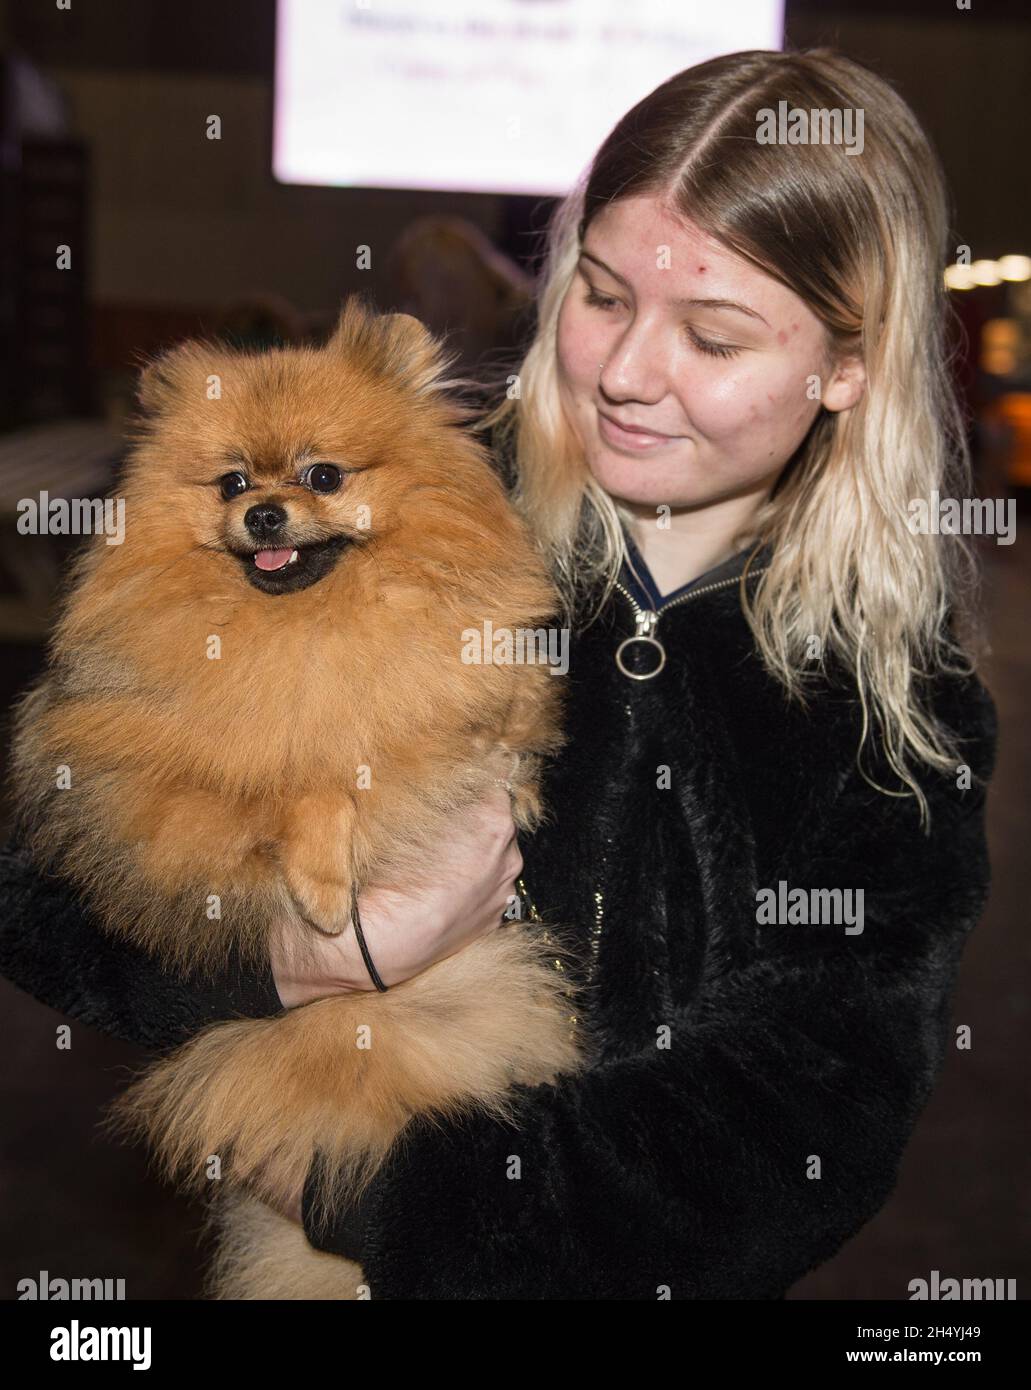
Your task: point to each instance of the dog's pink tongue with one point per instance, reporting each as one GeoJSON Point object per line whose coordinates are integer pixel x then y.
{"type": "Point", "coordinates": [272, 559]}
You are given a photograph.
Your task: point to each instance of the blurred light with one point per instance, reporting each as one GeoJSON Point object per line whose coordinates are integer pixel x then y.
{"type": "Point", "coordinates": [985, 273]}
{"type": "Point", "coordinates": [1000, 339]}
{"type": "Point", "coordinates": [959, 277]}
{"type": "Point", "coordinates": [967, 277]}
{"type": "Point", "coordinates": [363, 93]}
{"type": "Point", "coordinates": [1015, 267]}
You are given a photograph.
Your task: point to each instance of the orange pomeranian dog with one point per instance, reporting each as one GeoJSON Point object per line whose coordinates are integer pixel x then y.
{"type": "Point", "coordinates": [261, 701]}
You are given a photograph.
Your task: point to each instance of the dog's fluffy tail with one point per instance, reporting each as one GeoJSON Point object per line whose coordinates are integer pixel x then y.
{"type": "Point", "coordinates": [255, 1101]}
{"type": "Point", "coordinates": [262, 1255]}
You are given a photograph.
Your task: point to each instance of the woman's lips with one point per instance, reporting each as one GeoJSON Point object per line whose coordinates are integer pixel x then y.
{"type": "Point", "coordinates": [640, 440]}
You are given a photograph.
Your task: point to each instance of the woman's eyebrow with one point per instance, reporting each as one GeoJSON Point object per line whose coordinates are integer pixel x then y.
{"type": "Point", "coordinates": [717, 304]}
{"type": "Point", "coordinates": [680, 303]}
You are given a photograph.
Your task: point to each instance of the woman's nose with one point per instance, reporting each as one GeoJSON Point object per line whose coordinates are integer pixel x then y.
{"type": "Point", "coordinates": [637, 369]}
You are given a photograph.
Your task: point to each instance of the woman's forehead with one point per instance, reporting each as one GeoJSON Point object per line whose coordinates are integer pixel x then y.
{"type": "Point", "coordinates": [638, 240]}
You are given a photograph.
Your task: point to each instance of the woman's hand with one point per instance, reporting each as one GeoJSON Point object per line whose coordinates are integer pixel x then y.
{"type": "Point", "coordinates": [469, 882]}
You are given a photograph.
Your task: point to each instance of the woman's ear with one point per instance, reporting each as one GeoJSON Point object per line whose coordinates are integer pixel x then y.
{"type": "Point", "coordinates": [845, 386]}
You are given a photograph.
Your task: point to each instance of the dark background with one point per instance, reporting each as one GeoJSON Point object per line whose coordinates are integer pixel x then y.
{"type": "Point", "coordinates": [174, 235]}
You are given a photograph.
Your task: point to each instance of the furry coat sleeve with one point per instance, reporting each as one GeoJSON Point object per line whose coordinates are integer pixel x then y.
{"type": "Point", "coordinates": [740, 1148]}
{"type": "Point", "coordinates": [53, 948]}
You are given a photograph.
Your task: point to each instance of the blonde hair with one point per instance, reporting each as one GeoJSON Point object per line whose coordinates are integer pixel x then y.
{"type": "Point", "coordinates": [862, 240]}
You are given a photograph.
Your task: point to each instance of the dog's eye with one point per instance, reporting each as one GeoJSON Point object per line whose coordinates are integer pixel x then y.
{"type": "Point", "coordinates": [231, 485]}
{"type": "Point", "coordinates": [322, 477]}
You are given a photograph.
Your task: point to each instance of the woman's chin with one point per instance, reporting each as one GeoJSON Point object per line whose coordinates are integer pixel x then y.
{"type": "Point", "coordinates": [647, 482]}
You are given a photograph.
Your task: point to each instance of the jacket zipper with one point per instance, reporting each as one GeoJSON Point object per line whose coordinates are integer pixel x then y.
{"type": "Point", "coordinates": [647, 620]}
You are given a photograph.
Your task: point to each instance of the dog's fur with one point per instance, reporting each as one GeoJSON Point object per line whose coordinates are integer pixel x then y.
{"type": "Point", "coordinates": [206, 755]}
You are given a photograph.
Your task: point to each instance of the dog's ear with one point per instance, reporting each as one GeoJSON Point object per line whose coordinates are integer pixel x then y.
{"type": "Point", "coordinates": [397, 345]}
{"type": "Point", "coordinates": [163, 377]}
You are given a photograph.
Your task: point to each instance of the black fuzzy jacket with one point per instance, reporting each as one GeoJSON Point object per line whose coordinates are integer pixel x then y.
{"type": "Point", "coordinates": [757, 1082]}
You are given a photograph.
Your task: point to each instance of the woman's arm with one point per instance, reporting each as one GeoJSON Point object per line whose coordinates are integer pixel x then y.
{"type": "Point", "coordinates": [54, 949]}
{"type": "Point", "coordinates": [769, 1131]}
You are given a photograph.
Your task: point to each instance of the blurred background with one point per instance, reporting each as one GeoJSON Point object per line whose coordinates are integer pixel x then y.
{"type": "Point", "coordinates": [237, 170]}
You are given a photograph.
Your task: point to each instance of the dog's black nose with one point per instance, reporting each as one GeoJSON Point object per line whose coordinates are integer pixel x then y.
{"type": "Point", "coordinates": [264, 519]}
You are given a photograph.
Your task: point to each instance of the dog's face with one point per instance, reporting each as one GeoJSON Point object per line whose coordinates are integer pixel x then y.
{"type": "Point", "coordinates": [288, 526]}
{"type": "Point", "coordinates": [284, 463]}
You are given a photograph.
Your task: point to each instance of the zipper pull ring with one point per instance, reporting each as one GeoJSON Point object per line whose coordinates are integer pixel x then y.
{"type": "Point", "coordinates": [647, 621]}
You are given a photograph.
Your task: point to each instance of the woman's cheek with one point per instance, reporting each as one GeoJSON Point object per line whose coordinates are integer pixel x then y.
{"type": "Point", "coordinates": [756, 398]}
{"type": "Point", "coordinates": [574, 343]}
{"type": "Point", "coordinates": [786, 410]}
{"type": "Point", "coordinates": [785, 420]}
{"type": "Point", "coordinates": [724, 400]}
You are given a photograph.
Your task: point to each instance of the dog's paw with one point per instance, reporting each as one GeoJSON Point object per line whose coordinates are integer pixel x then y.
{"type": "Point", "coordinates": [314, 861]}
{"type": "Point", "coordinates": [325, 907]}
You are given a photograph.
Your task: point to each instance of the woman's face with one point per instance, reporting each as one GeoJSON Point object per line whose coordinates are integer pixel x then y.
{"type": "Point", "coordinates": [665, 329]}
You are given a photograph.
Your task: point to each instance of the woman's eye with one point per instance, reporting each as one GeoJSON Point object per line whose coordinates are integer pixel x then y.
{"type": "Point", "coordinates": [322, 477]}
{"type": "Point", "coordinates": [599, 301]}
{"type": "Point", "coordinates": [231, 485]}
{"type": "Point", "coordinates": [706, 345]}
{"type": "Point", "coordinates": [710, 348]}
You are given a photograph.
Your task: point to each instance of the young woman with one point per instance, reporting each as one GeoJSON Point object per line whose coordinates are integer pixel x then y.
{"type": "Point", "coordinates": [767, 829]}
